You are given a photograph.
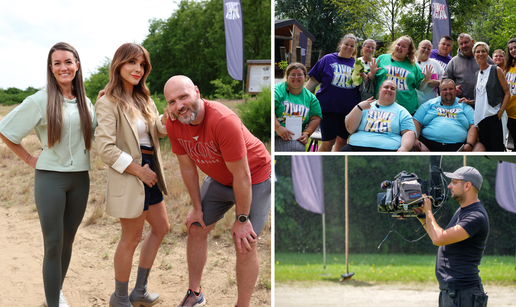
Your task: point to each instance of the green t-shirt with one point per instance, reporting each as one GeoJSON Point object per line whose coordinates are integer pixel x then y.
{"type": "Point", "coordinates": [287, 104]}
{"type": "Point", "coordinates": [407, 77]}
{"type": "Point", "coordinates": [68, 155]}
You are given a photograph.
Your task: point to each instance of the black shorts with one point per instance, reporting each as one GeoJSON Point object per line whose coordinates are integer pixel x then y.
{"type": "Point", "coordinates": [152, 195]}
{"type": "Point", "coordinates": [333, 125]}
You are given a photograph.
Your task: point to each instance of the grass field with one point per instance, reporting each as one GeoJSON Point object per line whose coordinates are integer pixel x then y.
{"type": "Point", "coordinates": [382, 268]}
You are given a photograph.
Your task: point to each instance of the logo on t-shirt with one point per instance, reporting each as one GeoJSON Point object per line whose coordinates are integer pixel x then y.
{"type": "Point", "coordinates": [195, 137]}
{"type": "Point", "coordinates": [443, 65]}
{"type": "Point", "coordinates": [293, 109]}
{"type": "Point", "coordinates": [399, 76]}
{"type": "Point", "coordinates": [341, 74]}
{"type": "Point", "coordinates": [448, 113]}
{"type": "Point", "coordinates": [202, 152]}
{"type": "Point", "coordinates": [511, 79]}
{"type": "Point", "coordinates": [378, 121]}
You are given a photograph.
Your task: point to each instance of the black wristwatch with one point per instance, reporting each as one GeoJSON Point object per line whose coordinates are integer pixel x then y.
{"type": "Point", "coordinates": [242, 218]}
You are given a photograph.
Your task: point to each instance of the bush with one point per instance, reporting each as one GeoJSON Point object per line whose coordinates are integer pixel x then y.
{"type": "Point", "coordinates": [14, 95]}
{"type": "Point", "coordinates": [256, 115]}
{"type": "Point", "coordinates": [226, 91]}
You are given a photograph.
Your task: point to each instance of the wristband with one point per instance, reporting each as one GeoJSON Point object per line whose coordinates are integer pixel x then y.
{"type": "Point", "coordinates": [470, 144]}
{"type": "Point", "coordinates": [360, 107]}
{"type": "Point", "coordinates": [306, 132]}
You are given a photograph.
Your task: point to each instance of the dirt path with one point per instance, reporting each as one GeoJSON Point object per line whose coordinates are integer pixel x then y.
{"type": "Point", "coordinates": [90, 279]}
{"type": "Point", "coordinates": [357, 294]}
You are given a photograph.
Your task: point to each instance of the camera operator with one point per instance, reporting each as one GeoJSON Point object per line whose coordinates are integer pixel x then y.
{"type": "Point", "coordinates": [462, 243]}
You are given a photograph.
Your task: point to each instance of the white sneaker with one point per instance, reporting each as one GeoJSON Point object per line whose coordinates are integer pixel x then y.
{"type": "Point", "coordinates": [62, 300]}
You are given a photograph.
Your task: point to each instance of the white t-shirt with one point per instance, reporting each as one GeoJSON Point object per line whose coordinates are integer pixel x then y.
{"type": "Point", "coordinates": [430, 92]}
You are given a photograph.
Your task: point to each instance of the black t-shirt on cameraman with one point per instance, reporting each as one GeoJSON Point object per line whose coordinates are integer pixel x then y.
{"type": "Point", "coordinates": [457, 264]}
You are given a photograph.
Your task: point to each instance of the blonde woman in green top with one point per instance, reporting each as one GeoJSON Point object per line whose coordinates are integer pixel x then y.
{"type": "Point", "coordinates": [64, 121]}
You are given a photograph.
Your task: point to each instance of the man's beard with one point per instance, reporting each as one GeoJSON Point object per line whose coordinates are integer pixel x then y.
{"type": "Point", "coordinates": [193, 115]}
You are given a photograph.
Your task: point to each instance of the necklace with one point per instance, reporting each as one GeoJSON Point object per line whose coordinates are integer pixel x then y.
{"type": "Point", "coordinates": [483, 76]}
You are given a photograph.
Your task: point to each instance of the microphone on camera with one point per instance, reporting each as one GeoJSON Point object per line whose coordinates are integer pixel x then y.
{"type": "Point", "coordinates": [385, 185]}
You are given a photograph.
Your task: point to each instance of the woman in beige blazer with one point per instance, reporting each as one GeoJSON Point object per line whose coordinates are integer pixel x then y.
{"type": "Point", "coordinates": [127, 137]}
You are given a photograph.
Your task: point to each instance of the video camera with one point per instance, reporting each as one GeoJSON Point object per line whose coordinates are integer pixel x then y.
{"type": "Point", "coordinates": [405, 192]}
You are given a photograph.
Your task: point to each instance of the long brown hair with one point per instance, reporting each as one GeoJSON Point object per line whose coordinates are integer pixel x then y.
{"type": "Point", "coordinates": [115, 88]}
{"type": "Point", "coordinates": [55, 100]}
{"type": "Point", "coordinates": [509, 59]}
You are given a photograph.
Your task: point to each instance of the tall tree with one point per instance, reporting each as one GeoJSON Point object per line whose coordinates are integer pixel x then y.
{"type": "Point", "coordinates": [320, 17]}
{"type": "Point", "coordinates": [191, 42]}
{"type": "Point", "coordinates": [97, 80]}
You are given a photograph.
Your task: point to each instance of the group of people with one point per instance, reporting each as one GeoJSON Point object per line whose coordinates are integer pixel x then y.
{"type": "Point", "coordinates": [126, 127]}
{"type": "Point", "coordinates": [408, 100]}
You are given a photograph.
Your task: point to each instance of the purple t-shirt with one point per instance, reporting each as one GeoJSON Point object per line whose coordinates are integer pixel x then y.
{"type": "Point", "coordinates": [443, 60]}
{"type": "Point", "coordinates": [334, 95]}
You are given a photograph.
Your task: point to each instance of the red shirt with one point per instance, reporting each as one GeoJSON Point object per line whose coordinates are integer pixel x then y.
{"type": "Point", "coordinates": [220, 137]}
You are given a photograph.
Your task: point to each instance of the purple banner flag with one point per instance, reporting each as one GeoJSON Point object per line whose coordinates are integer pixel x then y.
{"type": "Point", "coordinates": [505, 183]}
{"type": "Point", "coordinates": [234, 26]}
{"type": "Point", "coordinates": [441, 23]}
{"type": "Point", "coordinates": [307, 179]}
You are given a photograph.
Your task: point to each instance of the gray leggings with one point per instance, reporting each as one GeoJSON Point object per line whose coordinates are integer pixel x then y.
{"type": "Point", "coordinates": [61, 199]}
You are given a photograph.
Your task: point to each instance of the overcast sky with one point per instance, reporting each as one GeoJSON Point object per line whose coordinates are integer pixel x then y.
{"type": "Point", "coordinates": [96, 28]}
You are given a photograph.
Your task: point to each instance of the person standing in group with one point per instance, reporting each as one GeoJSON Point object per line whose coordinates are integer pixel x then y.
{"type": "Point", "coordinates": [336, 95]}
{"type": "Point", "coordinates": [210, 136]}
{"type": "Point", "coordinates": [461, 243]}
{"type": "Point", "coordinates": [293, 100]}
{"type": "Point", "coordinates": [128, 141]}
{"type": "Point", "coordinates": [510, 75]}
{"type": "Point", "coordinates": [368, 49]}
{"type": "Point", "coordinates": [442, 54]}
{"type": "Point", "coordinates": [462, 68]}
{"type": "Point", "coordinates": [491, 99]}
{"type": "Point", "coordinates": [399, 65]}
{"type": "Point", "coordinates": [499, 58]}
{"type": "Point", "coordinates": [64, 121]}
{"type": "Point", "coordinates": [423, 59]}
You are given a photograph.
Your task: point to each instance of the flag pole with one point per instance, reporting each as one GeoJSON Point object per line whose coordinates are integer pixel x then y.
{"type": "Point", "coordinates": [346, 275]}
{"type": "Point", "coordinates": [324, 241]}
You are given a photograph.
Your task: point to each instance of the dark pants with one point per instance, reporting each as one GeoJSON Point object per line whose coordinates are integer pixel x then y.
{"type": "Point", "coordinates": [435, 146]}
{"type": "Point", "coordinates": [471, 297]}
{"type": "Point", "coordinates": [490, 133]}
{"type": "Point", "coordinates": [61, 199]}
{"type": "Point", "coordinates": [349, 147]}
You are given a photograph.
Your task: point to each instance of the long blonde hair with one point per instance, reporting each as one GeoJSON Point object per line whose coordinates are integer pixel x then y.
{"type": "Point", "coordinates": [55, 100]}
{"type": "Point", "coordinates": [411, 55]}
{"type": "Point", "coordinates": [115, 89]}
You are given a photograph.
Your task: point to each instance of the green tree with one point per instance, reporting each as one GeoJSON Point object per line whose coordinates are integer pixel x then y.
{"type": "Point", "coordinates": [320, 17]}
{"type": "Point", "coordinates": [97, 80]}
{"type": "Point", "coordinates": [192, 42]}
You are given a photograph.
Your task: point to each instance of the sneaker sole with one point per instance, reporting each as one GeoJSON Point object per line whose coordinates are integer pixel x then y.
{"type": "Point", "coordinates": [142, 304]}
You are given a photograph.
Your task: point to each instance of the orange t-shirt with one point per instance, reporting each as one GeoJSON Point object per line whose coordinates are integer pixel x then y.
{"type": "Point", "coordinates": [220, 137]}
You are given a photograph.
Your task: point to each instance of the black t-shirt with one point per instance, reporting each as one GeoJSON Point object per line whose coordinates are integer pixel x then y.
{"type": "Point", "coordinates": [457, 264]}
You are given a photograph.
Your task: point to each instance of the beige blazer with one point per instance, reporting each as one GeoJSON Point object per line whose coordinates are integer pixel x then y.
{"type": "Point", "coordinates": [117, 133]}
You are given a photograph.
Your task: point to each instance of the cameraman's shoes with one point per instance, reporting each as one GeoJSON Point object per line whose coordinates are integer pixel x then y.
{"type": "Point", "coordinates": [192, 300]}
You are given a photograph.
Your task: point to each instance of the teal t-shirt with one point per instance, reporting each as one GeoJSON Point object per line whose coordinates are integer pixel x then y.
{"type": "Point", "coordinates": [406, 76]}
{"type": "Point", "coordinates": [287, 104]}
{"type": "Point", "coordinates": [381, 127]}
{"type": "Point", "coordinates": [68, 155]}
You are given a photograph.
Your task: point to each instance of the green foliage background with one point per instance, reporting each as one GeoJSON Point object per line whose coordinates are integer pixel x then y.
{"type": "Point", "coordinates": [192, 42]}
{"type": "Point", "coordinates": [14, 95]}
{"type": "Point", "coordinates": [491, 21]}
{"type": "Point", "coordinates": [298, 230]}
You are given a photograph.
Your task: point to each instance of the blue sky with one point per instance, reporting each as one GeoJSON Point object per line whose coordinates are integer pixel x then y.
{"type": "Point", "coordinates": [96, 28]}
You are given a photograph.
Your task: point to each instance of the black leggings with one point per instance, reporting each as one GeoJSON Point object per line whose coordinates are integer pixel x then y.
{"type": "Point", "coordinates": [61, 199]}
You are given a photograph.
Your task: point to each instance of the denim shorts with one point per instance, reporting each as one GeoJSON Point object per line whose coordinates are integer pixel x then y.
{"type": "Point", "coordinates": [152, 195]}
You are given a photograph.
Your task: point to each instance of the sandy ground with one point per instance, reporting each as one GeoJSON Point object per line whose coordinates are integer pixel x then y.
{"type": "Point", "coordinates": [90, 279]}
{"type": "Point", "coordinates": [354, 293]}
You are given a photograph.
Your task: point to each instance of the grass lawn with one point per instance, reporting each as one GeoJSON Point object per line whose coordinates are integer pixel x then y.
{"type": "Point", "coordinates": [382, 268]}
